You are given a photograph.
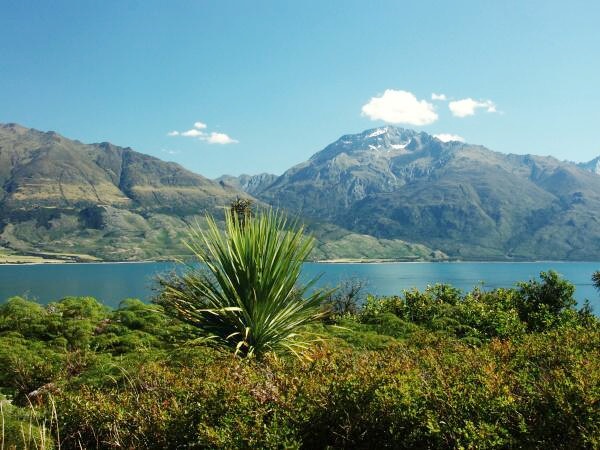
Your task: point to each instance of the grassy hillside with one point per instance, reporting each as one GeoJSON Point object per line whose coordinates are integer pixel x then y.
{"type": "Point", "coordinates": [96, 201]}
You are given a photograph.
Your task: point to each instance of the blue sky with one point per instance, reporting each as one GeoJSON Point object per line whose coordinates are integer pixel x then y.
{"type": "Point", "coordinates": [273, 82]}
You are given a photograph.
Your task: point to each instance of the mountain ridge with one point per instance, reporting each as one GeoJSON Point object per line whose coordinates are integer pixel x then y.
{"type": "Point", "coordinates": [111, 173]}
{"type": "Point", "coordinates": [387, 192]}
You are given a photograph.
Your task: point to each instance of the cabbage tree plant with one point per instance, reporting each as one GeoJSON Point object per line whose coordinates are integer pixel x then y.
{"type": "Point", "coordinates": [245, 291]}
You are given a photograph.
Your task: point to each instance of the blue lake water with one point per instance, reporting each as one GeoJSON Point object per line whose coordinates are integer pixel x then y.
{"type": "Point", "coordinates": [112, 283]}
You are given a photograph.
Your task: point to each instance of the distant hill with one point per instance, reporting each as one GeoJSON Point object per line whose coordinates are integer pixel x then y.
{"type": "Point", "coordinates": [62, 198]}
{"type": "Point", "coordinates": [592, 166]}
{"type": "Point", "coordinates": [464, 199]}
{"type": "Point", "coordinates": [252, 184]}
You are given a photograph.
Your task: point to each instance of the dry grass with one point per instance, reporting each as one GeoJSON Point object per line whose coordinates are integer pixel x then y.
{"type": "Point", "coordinates": [34, 433]}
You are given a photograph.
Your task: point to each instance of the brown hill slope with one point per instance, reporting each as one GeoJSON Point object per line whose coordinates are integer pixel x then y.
{"type": "Point", "coordinates": [57, 194]}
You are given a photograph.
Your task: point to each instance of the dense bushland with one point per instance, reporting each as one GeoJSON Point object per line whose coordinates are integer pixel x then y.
{"type": "Point", "coordinates": [507, 368]}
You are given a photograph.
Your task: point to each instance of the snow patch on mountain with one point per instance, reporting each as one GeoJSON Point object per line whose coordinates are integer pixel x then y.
{"type": "Point", "coordinates": [378, 132]}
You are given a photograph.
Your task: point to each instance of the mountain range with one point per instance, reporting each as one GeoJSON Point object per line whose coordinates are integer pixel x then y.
{"type": "Point", "coordinates": [386, 193]}
{"type": "Point", "coordinates": [60, 198]}
{"type": "Point", "coordinates": [466, 200]}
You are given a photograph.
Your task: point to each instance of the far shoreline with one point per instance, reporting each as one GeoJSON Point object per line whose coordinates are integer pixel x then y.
{"type": "Point", "coordinates": [453, 261]}
{"type": "Point", "coordinates": [339, 261]}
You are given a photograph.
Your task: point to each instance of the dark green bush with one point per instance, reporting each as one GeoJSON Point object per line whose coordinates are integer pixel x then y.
{"type": "Point", "coordinates": [27, 365]}
{"type": "Point", "coordinates": [541, 305]}
{"type": "Point", "coordinates": [41, 344]}
{"type": "Point", "coordinates": [25, 317]}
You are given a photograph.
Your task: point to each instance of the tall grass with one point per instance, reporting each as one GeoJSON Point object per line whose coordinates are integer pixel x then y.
{"type": "Point", "coordinates": [24, 429]}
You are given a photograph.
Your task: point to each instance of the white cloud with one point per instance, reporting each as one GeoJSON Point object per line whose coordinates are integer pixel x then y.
{"type": "Point", "coordinates": [192, 133]}
{"type": "Point", "coordinates": [212, 138]}
{"type": "Point", "coordinates": [468, 106]}
{"type": "Point", "coordinates": [170, 152]}
{"type": "Point", "coordinates": [400, 107]}
{"type": "Point", "coordinates": [446, 137]}
{"type": "Point", "coordinates": [219, 138]}
{"type": "Point", "coordinates": [441, 97]}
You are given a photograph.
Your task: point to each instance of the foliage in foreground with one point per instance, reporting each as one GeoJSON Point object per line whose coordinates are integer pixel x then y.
{"type": "Point", "coordinates": [245, 294]}
{"type": "Point", "coordinates": [540, 393]}
{"type": "Point", "coordinates": [427, 369]}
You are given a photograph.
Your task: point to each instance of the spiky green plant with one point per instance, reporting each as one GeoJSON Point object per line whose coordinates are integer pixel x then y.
{"type": "Point", "coordinates": [245, 292]}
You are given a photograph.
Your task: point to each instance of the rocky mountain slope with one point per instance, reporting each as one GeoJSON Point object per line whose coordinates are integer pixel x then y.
{"type": "Point", "coordinates": [464, 199]}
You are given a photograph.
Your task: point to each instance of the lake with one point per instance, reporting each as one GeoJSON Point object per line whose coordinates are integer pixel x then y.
{"type": "Point", "coordinates": [113, 282]}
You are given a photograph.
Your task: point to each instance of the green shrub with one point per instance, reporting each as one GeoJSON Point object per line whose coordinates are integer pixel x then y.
{"type": "Point", "coordinates": [27, 365]}
{"type": "Point", "coordinates": [480, 315]}
{"type": "Point", "coordinates": [73, 319]}
{"type": "Point", "coordinates": [541, 305]}
{"type": "Point", "coordinates": [489, 314]}
{"type": "Point", "coordinates": [25, 317]}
